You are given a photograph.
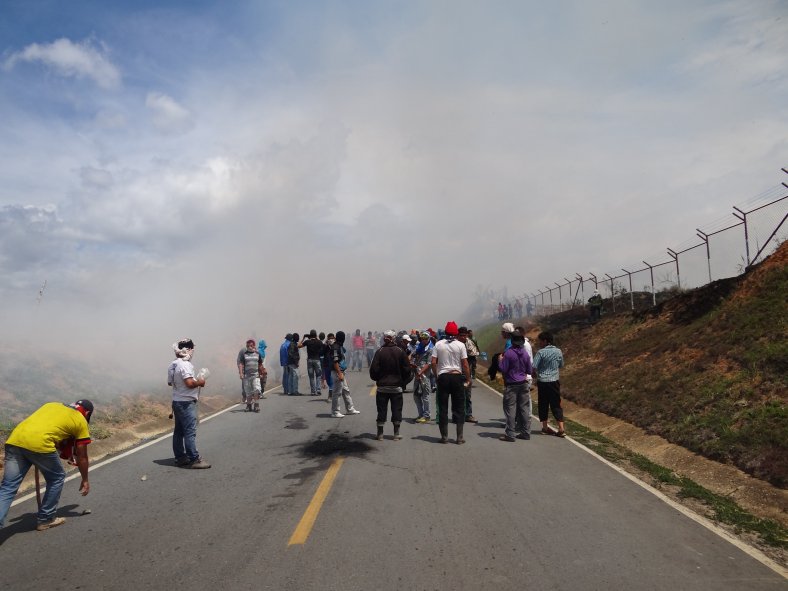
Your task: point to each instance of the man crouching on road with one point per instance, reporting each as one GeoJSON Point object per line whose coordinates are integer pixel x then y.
{"type": "Point", "coordinates": [180, 375]}
{"type": "Point", "coordinates": [390, 369]}
{"type": "Point", "coordinates": [34, 442]}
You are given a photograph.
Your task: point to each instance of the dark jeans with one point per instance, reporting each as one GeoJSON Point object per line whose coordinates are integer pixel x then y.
{"type": "Point", "coordinates": [382, 401]}
{"type": "Point", "coordinates": [450, 386]}
{"type": "Point", "coordinates": [550, 396]}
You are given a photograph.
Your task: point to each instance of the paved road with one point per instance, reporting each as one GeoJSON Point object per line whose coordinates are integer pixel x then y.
{"type": "Point", "coordinates": [404, 515]}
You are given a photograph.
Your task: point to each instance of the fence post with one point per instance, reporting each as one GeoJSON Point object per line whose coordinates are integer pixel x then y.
{"type": "Point", "coordinates": [612, 291]}
{"type": "Point", "coordinates": [596, 283]}
{"type": "Point", "coordinates": [705, 237]}
{"type": "Point", "coordinates": [581, 288]}
{"type": "Point", "coordinates": [674, 255]}
{"type": "Point", "coordinates": [743, 218]}
{"type": "Point", "coordinates": [653, 293]}
{"type": "Point", "coordinates": [550, 291]}
{"type": "Point", "coordinates": [631, 294]}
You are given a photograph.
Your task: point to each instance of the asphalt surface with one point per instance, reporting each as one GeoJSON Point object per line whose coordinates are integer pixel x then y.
{"type": "Point", "coordinates": [412, 514]}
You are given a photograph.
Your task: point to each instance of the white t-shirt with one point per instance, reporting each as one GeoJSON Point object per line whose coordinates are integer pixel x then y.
{"type": "Point", "coordinates": [449, 355]}
{"type": "Point", "coordinates": [530, 351]}
{"type": "Point", "coordinates": [178, 372]}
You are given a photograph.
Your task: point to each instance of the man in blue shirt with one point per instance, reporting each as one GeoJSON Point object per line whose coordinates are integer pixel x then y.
{"type": "Point", "coordinates": [283, 362]}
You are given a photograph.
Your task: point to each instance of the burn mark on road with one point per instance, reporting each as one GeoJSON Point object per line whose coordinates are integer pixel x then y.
{"type": "Point", "coordinates": [334, 444]}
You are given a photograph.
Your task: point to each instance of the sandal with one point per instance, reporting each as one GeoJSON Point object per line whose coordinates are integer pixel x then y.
{"type": "Point", "coordinates": [560, 434]}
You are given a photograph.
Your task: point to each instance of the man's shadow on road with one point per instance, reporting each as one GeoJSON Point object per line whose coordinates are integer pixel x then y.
{"type": "Point", "coordinates": [27, 522]}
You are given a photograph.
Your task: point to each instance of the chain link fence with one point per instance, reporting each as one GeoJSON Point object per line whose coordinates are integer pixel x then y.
{"type": "Point", "coordinates": [724, 248]}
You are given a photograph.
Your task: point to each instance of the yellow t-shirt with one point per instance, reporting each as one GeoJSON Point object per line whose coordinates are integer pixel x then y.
{"type": "Point", "coordinates": [49, 425]}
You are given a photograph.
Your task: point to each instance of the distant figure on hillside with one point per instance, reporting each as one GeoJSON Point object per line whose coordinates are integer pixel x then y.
{"type": "Point", "coordinates": [595, 305]}
{"type": "Point", "coordinates": [529, 308]}
{"type": "Point", "coordinates": [547, 363]}
{"type": "Point", "coordinates": [185, 392]}
{"type": "Point", "coordinates": [35, 442]}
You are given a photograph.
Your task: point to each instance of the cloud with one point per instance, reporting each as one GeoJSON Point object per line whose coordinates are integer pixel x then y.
{"type": "Point", "coordinates": [167, 115]}
{"type": "Point", "coordinates": [69, 59]}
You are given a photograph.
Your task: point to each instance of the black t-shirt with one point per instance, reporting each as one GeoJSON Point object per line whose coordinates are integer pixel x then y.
{"type": "Point", "coordinates": [313, 348]}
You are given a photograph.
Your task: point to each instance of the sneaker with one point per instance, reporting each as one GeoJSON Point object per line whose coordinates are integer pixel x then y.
{"type": "Point", "coordinates": [249, 407]}
{"type": "Point", "coordinates": [199, 464]}
{"type": "Point", "coordinates": [337, 415]}
{"type": "Point", "coordinates": [471, 419]}
{"type": "Point", "coordinates": [526, 436]}
{"type": "Point", "coordinates": [506, 438]}
{"type": "Point", "coordinates": [256, 407]}
{"type": "Point", "coordinates": [422, 420]}
{"type": "Point", "coordinates": [353, 411]}
{"type": "Point", "coordinates": [184, 461]}
{"type": "Point", "coordinates": [43, 525]}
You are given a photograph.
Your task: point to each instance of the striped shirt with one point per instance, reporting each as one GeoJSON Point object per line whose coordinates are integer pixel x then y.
{"type": "Point", "coordinates": [547, 361]}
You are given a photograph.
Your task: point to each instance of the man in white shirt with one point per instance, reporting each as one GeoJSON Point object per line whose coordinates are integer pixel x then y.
{"type": "Point", "coordinates": [185, 391]}
{"type": "Point", "coordinates": [450, 364]}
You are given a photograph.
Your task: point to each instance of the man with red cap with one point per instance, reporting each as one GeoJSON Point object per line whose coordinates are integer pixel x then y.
{"type": "Point", "coordinates": [35, 442]}
{"type": "Point", "coordinates": [450, 364]}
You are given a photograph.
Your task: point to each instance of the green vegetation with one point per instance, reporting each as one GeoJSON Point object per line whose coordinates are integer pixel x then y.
{"type": "Point", "coordinates": [707, 369]}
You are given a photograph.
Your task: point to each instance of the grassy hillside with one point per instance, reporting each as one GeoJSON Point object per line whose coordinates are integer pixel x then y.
{"type": "Point", "coordinates": [706, 369]}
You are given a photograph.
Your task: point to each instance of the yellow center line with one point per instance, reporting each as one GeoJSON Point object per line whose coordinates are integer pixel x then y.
{"type": "Point", "coordinates": [304, 527]}
{"type": "Point", "coordinates": [373, 391]}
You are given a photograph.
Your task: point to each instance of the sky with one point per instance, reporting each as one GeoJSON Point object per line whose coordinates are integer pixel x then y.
{"type": "Point", "coordinates": [250, 168]}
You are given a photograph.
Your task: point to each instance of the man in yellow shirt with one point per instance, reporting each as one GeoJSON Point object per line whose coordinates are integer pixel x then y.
{"type": "Point", "coordinates": [35, 442]}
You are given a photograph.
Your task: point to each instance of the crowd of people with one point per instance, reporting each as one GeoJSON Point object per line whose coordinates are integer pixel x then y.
{"type": "Point", "coordinates": [439, 362]}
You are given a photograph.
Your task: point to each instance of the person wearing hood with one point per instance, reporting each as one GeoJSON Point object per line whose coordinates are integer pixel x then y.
{"type": "Point", "coordinates": [390, 371]}
{"type": "Point", "coordinates": [35, 442]}
{"type": "Point", "coordinates": [261, 347]}
{"type": "Point", "coordinates": [515, 366]}
{"type": "Point", "coordinates": [340, 386]}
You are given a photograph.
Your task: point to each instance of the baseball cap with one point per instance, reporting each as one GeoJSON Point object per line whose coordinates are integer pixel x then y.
{"type": "Point", "coordinates": [406, 338]}
{"type": "Point", "coordinates": [390, 333]}
{"type": "Point", "coordinates": [84, 406]}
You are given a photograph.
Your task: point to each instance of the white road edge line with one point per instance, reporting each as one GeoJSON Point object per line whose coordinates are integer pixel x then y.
{"type": "Point", "coordinates": [76, 475]}
{"type": "Point", "coordinates": [711, 526]}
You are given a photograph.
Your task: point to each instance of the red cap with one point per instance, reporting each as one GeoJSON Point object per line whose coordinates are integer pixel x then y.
{"type": "Point", "coordinates": [451, 328]}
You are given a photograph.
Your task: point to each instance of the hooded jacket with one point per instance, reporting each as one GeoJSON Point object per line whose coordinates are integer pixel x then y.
{"type": "Point", "coordinates": [390, 367]}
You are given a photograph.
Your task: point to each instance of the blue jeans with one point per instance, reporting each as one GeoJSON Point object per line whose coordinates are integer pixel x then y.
{"type": "Point", "coordinates": [314, 368]}
{"type": "Point", "coordinates": [18, 461]}
{"type": "Point", "coordinates": [184, 437]}
{"type": "Point", "coordinates": [292, 387]}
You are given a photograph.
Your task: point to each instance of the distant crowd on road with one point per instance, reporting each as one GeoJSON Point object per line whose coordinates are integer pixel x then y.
{"type": "Point", "coordinates": [440, 362]}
